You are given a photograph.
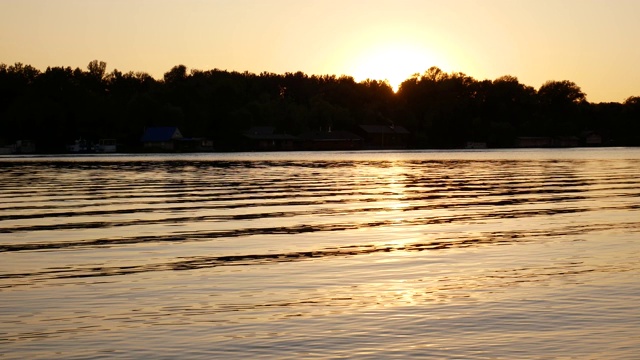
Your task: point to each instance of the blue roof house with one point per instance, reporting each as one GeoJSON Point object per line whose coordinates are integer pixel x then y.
{"type": "Point", "coordinates": [161, 138]}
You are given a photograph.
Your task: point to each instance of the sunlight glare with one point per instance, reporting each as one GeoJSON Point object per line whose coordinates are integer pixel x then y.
{"type": "Point", "coordinates": [394, 63]}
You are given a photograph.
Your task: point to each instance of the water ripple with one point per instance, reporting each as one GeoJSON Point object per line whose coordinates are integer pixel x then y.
{"type": "Point", "coordinates": [480, 254]}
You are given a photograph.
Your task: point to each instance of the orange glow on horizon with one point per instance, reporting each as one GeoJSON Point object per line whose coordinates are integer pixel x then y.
{"type": "Point", "coordinates": [394, 63]}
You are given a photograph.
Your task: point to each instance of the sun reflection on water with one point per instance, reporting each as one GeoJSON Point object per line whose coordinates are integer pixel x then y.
{"type": "Point", "coordinates": [253, 255]}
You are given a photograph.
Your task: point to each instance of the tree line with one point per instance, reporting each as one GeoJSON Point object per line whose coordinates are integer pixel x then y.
{"type": "Point", "coordinates": [441, 110]}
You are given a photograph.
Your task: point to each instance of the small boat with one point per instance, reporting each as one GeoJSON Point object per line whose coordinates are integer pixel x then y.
{"type": "Point", "coordinates": [80, 146]}
{"type": "Point", "coordinates": [106, 146]}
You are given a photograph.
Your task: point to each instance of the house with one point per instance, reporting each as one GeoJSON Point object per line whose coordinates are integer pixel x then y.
{"type": "Point", "coordinates": [384, 136]}
{"type": "Point", "coordinates": [19, 147]}
{"type": "Point", "coordinates": [475, 145]}
{"type": "Point", "coordinates": [264, 138]}
{"type": "Point", "coordinates": [331, 140]}
{"type": "Point", "coordinates": [106, 146]}
{"type": "Point", "coordinates": [591, 138]}
{"type": "Point", "coordinates": [203, 144]}
{"type": "Point", "coordinates": [533, 141]}
{"type": "Point", "coordinates": [547, 142]}
{"type": "Point", "coordinates": [80, 146]}
{"type": "Point", "coordinates": [566, 141]}
{"type": "Point", "coordinates": [163, 138]}
{"type": "Point", "coordinates": [6, 150]}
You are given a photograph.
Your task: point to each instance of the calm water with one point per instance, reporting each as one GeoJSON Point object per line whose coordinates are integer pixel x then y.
{"type": "Point", "coordinates": [467, 255]}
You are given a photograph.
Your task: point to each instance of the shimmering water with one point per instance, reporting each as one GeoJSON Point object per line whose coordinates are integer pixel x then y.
{"type": "Point", "coordinates": [427, 254]}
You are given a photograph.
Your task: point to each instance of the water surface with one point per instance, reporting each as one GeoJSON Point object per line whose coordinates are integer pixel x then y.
{"type": "Point", "coordinates": [431, 254]}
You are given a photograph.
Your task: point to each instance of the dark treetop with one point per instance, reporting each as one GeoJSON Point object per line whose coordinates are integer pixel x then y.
{"type": "Point", "coordinates": [438, 110]}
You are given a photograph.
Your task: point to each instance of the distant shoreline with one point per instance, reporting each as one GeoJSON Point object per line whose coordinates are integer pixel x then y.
{"type": "Point", "coordinates": [72, 110]}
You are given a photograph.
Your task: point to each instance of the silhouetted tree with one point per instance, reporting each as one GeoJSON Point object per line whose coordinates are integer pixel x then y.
{"type": "Point", "coordinates": [560, 105]}
{"type": "Point", "coordinates": [560, 94]}
{"type": "Point", "coordinates": [177, 73]}
{"type": "Point", "coordinates": [97, 69]}
{"type": "Point", "coordinates": [440, 109]}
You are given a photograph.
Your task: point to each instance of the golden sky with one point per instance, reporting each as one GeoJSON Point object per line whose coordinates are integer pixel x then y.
{"type": "Point", "coordinates": [594, 43]}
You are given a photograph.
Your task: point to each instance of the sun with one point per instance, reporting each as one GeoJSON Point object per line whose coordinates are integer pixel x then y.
{"type": "Point", "coordinates": [392, 62]}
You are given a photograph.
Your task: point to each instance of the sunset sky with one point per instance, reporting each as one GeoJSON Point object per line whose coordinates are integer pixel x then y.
{"type": "Point", "coordinates": [594, 43]}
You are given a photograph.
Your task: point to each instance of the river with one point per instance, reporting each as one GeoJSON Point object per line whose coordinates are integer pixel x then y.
{"type": "Point", "coordinates": [478, 254]}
